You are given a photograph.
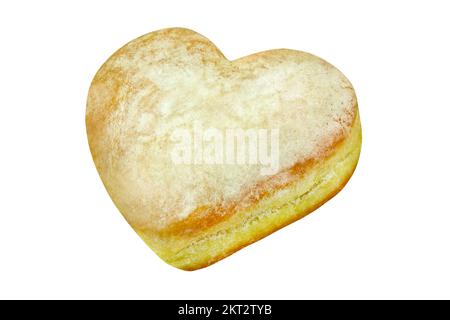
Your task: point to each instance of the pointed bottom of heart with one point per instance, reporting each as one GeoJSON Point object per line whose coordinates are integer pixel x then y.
{"type": "Point", "coordinates": [317, 185]}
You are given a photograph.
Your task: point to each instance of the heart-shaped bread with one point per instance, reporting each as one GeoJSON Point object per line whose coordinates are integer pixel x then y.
{"type": "Point", "coordinates": [174, 89]}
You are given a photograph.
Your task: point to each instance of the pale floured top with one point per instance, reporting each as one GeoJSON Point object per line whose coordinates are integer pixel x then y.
{"type": "Point", "coordinates": [174, 78]}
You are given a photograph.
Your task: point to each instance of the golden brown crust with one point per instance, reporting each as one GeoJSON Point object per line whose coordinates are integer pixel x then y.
{"type": "Point", "coordinates": [232, 249]}
{"type": "Point", "coordinates": [173, 77]}
{"type": "Point", "coordinates": [344, 151]}
{"type": "Point", "coordinates": [306, 167]}
{"type": "Point", "coordinates": [205, 217]}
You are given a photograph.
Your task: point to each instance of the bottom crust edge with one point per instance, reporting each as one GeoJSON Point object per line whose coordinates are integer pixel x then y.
{"type": "Point", "coordinates": [318, 185]}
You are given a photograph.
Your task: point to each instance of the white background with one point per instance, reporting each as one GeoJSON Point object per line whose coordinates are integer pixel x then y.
{"type": "Point", "coordinates": [386, 235]}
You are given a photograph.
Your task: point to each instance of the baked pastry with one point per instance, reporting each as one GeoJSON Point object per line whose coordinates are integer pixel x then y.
{"type": "Point", "coordinates": [196, 209]}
